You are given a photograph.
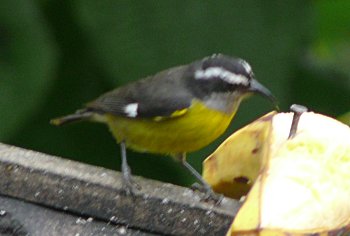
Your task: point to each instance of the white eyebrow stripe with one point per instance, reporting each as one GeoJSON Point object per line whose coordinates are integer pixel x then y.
{"type": "Point", "coordinates": [223, 74]}
{"type": "Point", "coordinates": [246, 66]}
{"type": "Point", "coordinates": [131, 109]}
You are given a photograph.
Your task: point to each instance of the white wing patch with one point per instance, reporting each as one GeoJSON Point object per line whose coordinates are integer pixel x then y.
{"type": "Point", "coordinates": [131, 109]}
{"type": "Point", "coordinates": [223, 74]}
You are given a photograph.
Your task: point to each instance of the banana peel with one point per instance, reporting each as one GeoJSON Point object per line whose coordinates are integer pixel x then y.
{"type": "Point", "coordinates": [298, 186]}
{"type": "Point", "coordinates": [234, 166]}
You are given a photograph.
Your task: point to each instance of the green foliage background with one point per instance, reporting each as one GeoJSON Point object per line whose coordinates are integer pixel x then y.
{"type": "Point", "coordinates": [57, 55]}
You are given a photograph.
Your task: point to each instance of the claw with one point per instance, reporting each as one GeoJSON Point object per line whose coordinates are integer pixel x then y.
{"type": "Point", "coordinates": [209, 194]}
{"type": "Point", "coordinates": [129, 186]}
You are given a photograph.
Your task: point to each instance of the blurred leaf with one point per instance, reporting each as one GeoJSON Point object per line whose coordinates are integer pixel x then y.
{"type": "Point", "coordinates": [26, 63]}
{"type": "Point", "coordinates": [332, 58]}
{"type": "Point", "coordinates": [323, 81]}
{"type": "Point", "coordinates": [331, 49]}
{"type": "Point", "coordinates": [345, 118]}
{"type": "Point", "coordinates": [332, 20]}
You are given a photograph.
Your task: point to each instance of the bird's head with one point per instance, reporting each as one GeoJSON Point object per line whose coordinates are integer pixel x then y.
{"type": "Point", "coordinates": [220, 76]}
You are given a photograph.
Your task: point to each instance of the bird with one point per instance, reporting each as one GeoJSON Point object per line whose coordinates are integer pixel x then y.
{"type": "Point", "coordinates": [176, 111]}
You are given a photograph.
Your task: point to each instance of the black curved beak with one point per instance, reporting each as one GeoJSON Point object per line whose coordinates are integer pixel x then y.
{"type": "Point", "coordinates": [256, 87]}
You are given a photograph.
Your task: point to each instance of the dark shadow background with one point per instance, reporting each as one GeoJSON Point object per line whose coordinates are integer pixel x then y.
{"type": "Point", "coordinates": [57, 55]}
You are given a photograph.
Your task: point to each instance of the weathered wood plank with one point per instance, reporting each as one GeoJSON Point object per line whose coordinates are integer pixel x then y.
{"type": "Point", "coordinates": [88, 191]}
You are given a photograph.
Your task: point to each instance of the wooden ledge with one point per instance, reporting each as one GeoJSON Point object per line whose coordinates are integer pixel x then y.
{"type": "Point", "coordinates": [72, 189]}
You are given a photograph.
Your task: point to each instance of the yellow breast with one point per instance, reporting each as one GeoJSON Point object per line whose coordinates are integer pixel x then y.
{"type": "Point", "coordinates": [191, 131]}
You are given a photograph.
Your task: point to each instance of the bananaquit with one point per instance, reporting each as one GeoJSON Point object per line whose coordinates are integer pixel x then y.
{"type": "Point", "coordinates": [175, 111]}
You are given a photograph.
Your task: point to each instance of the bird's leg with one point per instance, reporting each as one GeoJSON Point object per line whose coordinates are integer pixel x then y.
{"type": "Point", "coordinates": [203, 186]}
{"type": "Point", "coordinates": [128, 183]}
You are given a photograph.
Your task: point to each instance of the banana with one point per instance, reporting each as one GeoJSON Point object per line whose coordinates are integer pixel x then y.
{"type": "Point", "coordinates": [298, 186]}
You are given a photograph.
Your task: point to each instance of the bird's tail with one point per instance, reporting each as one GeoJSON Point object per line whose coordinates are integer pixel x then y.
{"type": "Point", "coordinates": [78, 116]}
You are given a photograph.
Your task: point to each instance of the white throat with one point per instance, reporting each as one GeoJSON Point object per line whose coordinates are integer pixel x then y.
{"type": "Point", "coordinates": [225, 102]}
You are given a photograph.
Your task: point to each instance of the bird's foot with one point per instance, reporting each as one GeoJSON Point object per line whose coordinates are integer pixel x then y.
{"type": "Point", "coordinates": [209, 194]}
{"type": "Point", "coordinates": [129, 185]}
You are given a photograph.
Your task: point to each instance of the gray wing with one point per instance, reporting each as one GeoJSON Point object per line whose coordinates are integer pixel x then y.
{"type": "Point", "coordinates": [160, 95]}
